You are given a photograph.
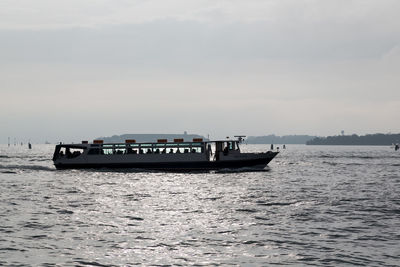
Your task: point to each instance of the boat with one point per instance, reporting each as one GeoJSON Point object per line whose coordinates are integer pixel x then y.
{"type": "Point", "coordinates": [176, 155]}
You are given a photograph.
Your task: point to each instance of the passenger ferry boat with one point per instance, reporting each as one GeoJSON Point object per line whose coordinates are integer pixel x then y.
{"type": "Point", "coordinates": [178, 155]}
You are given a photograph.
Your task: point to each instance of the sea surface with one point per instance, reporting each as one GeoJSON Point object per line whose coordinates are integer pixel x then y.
{"type": "Point", "coordinates": [313, 205]}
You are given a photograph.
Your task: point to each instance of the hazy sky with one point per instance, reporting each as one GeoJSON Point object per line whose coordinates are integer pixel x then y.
{"type": "Point", "coordinates": [79, 69]}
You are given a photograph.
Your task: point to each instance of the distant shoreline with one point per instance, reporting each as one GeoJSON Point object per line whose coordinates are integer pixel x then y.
{"type": "Point", "coordinates": [273, 139]}
{"type": "Point", "coordinates": [356, 140]}
{"type": "Point", "coordinates": [339, 140]}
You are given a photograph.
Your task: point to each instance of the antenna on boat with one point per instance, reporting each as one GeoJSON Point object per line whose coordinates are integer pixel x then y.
{"type": "Point", "coordinates": [240, 138]}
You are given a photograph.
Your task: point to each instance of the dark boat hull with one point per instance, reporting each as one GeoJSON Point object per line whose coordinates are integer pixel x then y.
{"type": "Point", "coordinates": [177, 166]}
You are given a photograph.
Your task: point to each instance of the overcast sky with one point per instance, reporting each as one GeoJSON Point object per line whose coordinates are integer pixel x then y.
{"type": "Point", "coordinates": [79, 69]}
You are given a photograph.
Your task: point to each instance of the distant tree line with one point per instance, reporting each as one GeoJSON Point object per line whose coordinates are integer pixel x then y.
{"type": "Point", "coordinates": [355, 140]}
{"type": "Point", "coordinates": [273, 139]}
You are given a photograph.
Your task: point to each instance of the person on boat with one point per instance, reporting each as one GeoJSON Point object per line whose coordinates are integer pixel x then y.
{"type": "Point", "coordinates": [178, 151]}
{"type": "Point", "coordinates": [68, 152]}
{"type": "Point", "coordinates": [171, 150]}
{"type": "Point", "coordinates": [226, 150]}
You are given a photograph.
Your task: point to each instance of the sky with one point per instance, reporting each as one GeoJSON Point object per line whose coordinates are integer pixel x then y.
{"type": "Point", "coordinates": [79, 69]}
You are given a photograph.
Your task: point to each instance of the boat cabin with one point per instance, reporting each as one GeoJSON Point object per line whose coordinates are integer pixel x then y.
{"type": "Point", "coordinates": [211, 150]}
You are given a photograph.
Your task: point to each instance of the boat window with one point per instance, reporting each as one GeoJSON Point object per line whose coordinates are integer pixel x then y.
{"type": "Point", "coordinates": [70, 152]}
{"type": "Point", "coordinates": [236, 144]}
{"type": "Point", "coordinates": [146, 145]}
{"type": "Point", "coordinates": [229, 145]}
{"type": "Point", "coordinates": [107, 151]}
{"type": "Point", "coordinates": [182, 145]}
{"type": "Point", "coordinates": [197, 149]}
{"type": "Point", "coordinates": [160, 145]}
{"type": "Point", "coordinates": [120, 151]}
{"type": "Point", "coordinates": [133, 145]}
{"type": "Point", "coordinates": [130, 150]}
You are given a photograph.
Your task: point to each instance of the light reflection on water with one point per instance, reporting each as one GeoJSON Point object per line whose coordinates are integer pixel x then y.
{"type": "Point", "coordinates": [315, 205]}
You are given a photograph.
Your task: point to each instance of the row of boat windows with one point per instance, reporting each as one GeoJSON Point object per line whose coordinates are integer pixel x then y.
{"type": "Point", "coordinates": [149, 150]}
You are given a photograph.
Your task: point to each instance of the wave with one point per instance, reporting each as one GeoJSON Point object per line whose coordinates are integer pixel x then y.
{"type": "Point", "coordinates": [357, 157]}
{"type": "Point", "coordinates": [247, 210]}
{"type": "Point", "coordinates": [244, 169]}
{"type": "Point", "coordinates": [261, 203]}
{"type": "Point", "coordinates": [92, 263]}
{"type": "Point", "coordinates": [26, 167]}
{"type": "Point", "coordinates": [9, 172]}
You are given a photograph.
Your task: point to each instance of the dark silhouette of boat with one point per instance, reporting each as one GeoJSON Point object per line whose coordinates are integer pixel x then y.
{"type": "Point", "coordinates": [179, 155]}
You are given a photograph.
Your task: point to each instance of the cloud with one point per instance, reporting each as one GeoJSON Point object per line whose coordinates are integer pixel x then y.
{"type": "Point", "coordinates": [182, 42]}
{"type": "Point", "coordinates": [291, 13]}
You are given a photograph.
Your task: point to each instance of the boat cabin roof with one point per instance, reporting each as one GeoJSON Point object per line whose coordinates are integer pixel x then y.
{"type": "Point", "coordinates": [144, 144]}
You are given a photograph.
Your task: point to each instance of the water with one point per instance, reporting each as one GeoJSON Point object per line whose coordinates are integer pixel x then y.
{"type": "Point", "coordinates": [322, 206]}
